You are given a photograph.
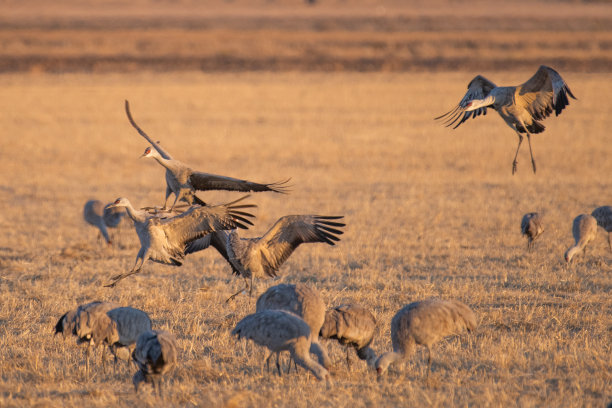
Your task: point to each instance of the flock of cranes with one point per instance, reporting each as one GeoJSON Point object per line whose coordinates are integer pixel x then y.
{"type": "Point", "coordinates": [293, 317]}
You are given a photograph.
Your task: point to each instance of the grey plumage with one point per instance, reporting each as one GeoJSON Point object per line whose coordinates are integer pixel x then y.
{"type": "Point", "coordinates": [155, 355]}
{"type": "Point", "coordinates": [279, 330]}
{"type": "Point", "coordinates": [353, 326]}
{"type": "Point", "coordinates": [303, 301]}
{"type": "Point", "coordinates": [127, 324]}
{"type": "Point", "coordinates": [82, 322]}
{"type": "Point", "coordinates": [100, 216]}
{"type": "Point", "coordinates": [425, 323]}
{"type": "Point", "coordinates": [532, 227]}
{"type": "Point", "coordinates": [184, 182]}
{"type": "Point", "coordinates": [603, 215]}
{"type": "Point", "coordinates": [522, 107]}
{"type": "Point", "coordinates": [165, 240]}
{"type": "Point", "coordinates": [584, 229]}
{"type": "Point", "coordinates": [263, 256]}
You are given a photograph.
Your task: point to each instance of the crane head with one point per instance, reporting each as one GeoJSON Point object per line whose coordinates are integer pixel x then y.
{"type": "Point", "coordinates": [149, 152]}
{"type": "Point", "coordinates": [120, 202]}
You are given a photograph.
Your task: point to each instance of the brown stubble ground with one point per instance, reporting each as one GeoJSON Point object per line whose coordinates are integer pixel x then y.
{"type": "Point", "coordinates": [430, 212]}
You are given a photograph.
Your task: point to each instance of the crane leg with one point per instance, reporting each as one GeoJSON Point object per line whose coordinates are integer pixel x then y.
{"type": "Point", "coordinates": [120, 277]}
{"type": "Point", "coordinates": [531, 153]}
{"type": "Point", "coordinates": [348, 358]}
{"type": "Point", "coordinates": [514, 162]}
{"type": "Point", "coordinates": [245, 289]}
{"type": "Point", "coordinates": [428, 363]}
{"type": "Point", "coordinates": [278, 366]}
{"type": "Point", "coordinates": [609, 244]}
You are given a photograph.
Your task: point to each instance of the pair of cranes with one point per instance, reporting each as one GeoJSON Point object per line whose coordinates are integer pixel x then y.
{"type": "Point", "coordinates": [584, 229]}
{"type": "Point", "coordinates": [122, 328]}
{"type": "Point", "coordinates": [167, 237]}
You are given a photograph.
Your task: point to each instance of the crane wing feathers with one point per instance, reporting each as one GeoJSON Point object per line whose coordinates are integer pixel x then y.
{"type": "Point", "coordinates": [199, 244]}
{"type": "Point", "coordinates": [291, 231]}
{"type": "Point", "coordinates": [199, 221]}
{"type": "Point", "coordinates": [544, 92]}
{"type": "Point", "coordinates": [205, 181]}
{"type": "Point", "coordinates": [478, 88]}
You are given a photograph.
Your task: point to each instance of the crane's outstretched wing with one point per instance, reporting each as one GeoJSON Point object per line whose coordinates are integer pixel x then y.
{"type": "Point", "coordinates": [478, 88]}
{"type": "Point", "coordinates": [291, 231]}
{"type": "Point", "coordinates": [205, 181]}
{"type": "Point", "coordinates": [157, 147]}
{"type": "Point", "coordinates": [200, 221]}
{"type": "Point", "coordinates": [544, 92]}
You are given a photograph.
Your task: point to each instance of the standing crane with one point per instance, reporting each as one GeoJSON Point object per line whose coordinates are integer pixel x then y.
{"type": "Point", "coordinates": [584, 230]}
{"type": "Point", "coordinates": [532, 227]}
{"type": "Point", "coordinates": [102, 217]}
{"type": "Point", "coordinates": [522, 107]}
{"type": "Point", "coordinates": [155, 355]}
{"type": "Point", "coordinates": [263, 256]}
{"type": "Point", "coordinates": [354, 326]}
{"type": "Point", "coordinates": [184, 182]}
{"type": "Point", "coordinates": [165, 240]}
{"type": "Point", "coordinates": [603, 215]}
{"type": "Point", "coordinates": [279, 330]}
{"type": "Point", "coordinates": [79, 323]}
{"type": "Point", "coordinates": [425, 322]}
{"type": "Point", "coordinates": [305, 302]}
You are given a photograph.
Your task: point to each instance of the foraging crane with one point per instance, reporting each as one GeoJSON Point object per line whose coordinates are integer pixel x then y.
{"type": "Point", "coordinates": [279, 330]}
{"type": "Point", "coordinates": [97, 214]}
{"type": "Point", "coordinates": [425, 322]}
{"type": "Point", "coordinates": [263, 256]}
{"type": "Point", "coordinates": [584, 230]}
{"type": "Point", "coordinates": [303, 301]}
{"type": "Point", "coordinates": [77, 321]}
{"type": "Point", "coordinates": [127, 324]}
{"type": "Point", "coordinates": [531, 227]}
{"type": "Point", "coordinates": [155, 355]}
{"type": "Point", "coordinates": [184, 182]}
{"type": "Point", "coordinates": [603, 215]}
{"type": "Point", "coordinates": [354, 326]}
{"type": "Point", "coordinates": [522, 107]}
{"type": "Point", "coordinates": [165, 240]}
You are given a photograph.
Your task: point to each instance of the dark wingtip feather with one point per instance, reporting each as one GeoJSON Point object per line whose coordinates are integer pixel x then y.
{"type": "Point", "coordinates": [331, 223]}
{"type": "Point", "coordinates": [329, 217]}
{"type": "Point", "coordinates": [245, 214]}
{"type": "Point", "coordinates": [241, 219]}
{"type": "Point", "coordinates": [330, 230]}
{"type": "Point", "coordinates": [280, 186]}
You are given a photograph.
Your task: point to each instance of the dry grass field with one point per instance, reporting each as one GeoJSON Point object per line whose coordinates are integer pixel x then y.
{"type": "Point", "coordinates": [430, 211]}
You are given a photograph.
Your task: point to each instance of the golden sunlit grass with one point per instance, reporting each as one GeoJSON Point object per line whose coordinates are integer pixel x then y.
{"type": "Point", "coordinates": [430, 211]}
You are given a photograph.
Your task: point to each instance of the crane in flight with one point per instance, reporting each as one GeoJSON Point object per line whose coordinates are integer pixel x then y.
{"type": "Point", "coordinates": [184, 182]}
{"type": "Point", "coordinates": [522, 107]}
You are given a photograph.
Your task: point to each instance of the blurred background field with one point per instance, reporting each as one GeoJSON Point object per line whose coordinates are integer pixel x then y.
{"type": "Point", "coordinates": [340, 96]}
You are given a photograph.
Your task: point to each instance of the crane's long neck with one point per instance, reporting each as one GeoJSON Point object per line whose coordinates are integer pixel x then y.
{"type": "Point", "coordinates": [479, 103]}
{"type": "Point", "coordinates": [167, 163]}
{"type": "Point", "coordinates": [136, 215]}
